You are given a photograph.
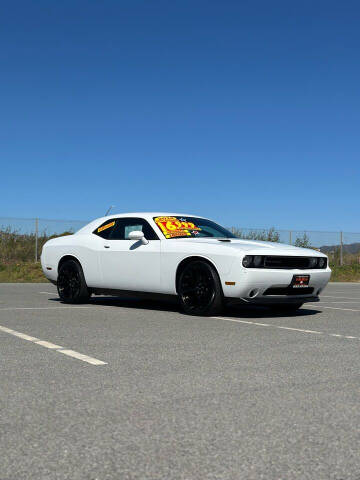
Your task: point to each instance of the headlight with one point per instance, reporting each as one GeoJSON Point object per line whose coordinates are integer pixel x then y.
{"type": "Point", "coordinates": [247, 261]}
{"type": "Point", "coordinates": [258, 260]}
{"type": "Point", "coordinates": [313, 262]}
{"type": "Point", "coordinates": [322, 262]}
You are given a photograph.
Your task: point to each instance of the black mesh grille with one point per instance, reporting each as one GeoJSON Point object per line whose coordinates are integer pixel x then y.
{"type": "Point", "coordinates": [301, 263]}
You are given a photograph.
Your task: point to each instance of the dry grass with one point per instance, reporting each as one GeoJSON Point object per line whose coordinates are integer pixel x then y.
{"type": "Point", "coordinates": [346, 273]}
{"type": "Point", "coordinates": [17, 252]}
{"type": "Point", "coordinates": [20, 247]}
{"type": "Point", "coordinates": [21, 272]}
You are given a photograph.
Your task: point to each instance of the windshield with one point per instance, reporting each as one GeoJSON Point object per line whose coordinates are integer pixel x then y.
{"type": "Point", "coordinates": [190, 227]}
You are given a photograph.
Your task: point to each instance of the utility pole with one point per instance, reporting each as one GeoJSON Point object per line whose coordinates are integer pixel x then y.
{"type": "Point", "coordinates": [290, 237]}
{"type": "Point", "coordinates": [341, 249]}
{"type": "Point", "coordinates": [36, 238]}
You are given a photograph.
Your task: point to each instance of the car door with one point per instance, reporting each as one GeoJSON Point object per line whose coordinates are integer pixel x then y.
{"type": "Point", "coordinates": [129, 264]}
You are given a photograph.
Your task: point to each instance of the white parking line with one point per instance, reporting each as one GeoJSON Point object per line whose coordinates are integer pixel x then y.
{"type": "Point", "coordinates": [53, 346]}
{"type": "Point", "coordinates": [337, 301]}
{"type": "Point", "coordinates": [346, 298]}
{"type": "Point", "coordinates": [18, 334]}
{"type": "Point", "coordinates": [285, 328]}
{"type": "Point", "coordinates": [80, 356]}
{"type": "Point", "coordinates": [298, 329]}
{"type": "Point", "coordinates": [50, 345]}
{"type": "Point", "coordinates": [333, 308]}
{"type": "Point", "coordinates": [41, 308]}
{"type": "Point", "coordinates": [49, 293]}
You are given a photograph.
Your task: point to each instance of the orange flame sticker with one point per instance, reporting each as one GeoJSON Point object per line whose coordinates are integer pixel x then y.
{"type": "Point", "coordinates": [104, 227]}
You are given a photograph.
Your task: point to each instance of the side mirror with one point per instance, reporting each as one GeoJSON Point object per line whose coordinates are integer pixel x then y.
{"type": "Point", "coordinates": [137, 235]}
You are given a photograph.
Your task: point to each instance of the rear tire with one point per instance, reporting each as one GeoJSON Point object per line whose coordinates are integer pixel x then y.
{"type": "Point", "coordinates": [199, 289]}
{"type": "Point", "coordinates": [283, 308]}
{"type": "Point", "coordinates": [71, 284]}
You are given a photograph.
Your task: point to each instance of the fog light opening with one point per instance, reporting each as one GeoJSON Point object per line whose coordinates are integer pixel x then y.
{"type": "Point", "coordinates": [253, 293]}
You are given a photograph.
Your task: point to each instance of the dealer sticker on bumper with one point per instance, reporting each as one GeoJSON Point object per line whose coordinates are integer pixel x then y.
{"type": "Point", "coordinates": [300, 281]}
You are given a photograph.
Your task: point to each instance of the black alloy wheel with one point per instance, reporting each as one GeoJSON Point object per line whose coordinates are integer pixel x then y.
{"type": "Point", "coordinates": [199, 289]}
{"type": "Point", "coordinates": [71, 283]}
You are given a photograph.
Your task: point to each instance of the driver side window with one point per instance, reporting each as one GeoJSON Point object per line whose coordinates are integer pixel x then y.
{"type": "Point", "coordinates": [132, 228]}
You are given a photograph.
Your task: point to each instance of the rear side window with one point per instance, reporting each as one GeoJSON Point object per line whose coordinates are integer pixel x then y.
{"type": "Point", "coordinates": [119, 229]}
{"type": "Point", "coordinates": [105, 229]}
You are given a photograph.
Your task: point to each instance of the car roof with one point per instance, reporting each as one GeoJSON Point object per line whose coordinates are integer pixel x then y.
{"type": "Point", "coordinates": [146, 215]}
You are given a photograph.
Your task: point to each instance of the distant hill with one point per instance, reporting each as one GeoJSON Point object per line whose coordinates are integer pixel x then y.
{"type": "Point", "coordinates": [351, 248]}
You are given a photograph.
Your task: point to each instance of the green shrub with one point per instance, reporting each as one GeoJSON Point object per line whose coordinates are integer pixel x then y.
{"type": "Point", "coordinates": [303, 241]}
{"type": "Point", "coordinates": [270, 235]}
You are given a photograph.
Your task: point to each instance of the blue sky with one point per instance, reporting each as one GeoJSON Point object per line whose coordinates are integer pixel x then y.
{"type": "Point", "coordinates": [247, 112]}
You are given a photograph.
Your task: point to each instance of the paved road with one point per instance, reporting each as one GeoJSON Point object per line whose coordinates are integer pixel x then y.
{"type": "Point", "coordinates": [127, 390]}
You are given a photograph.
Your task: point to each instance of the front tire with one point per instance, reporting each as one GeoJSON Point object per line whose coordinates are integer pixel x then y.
{"type": "Point", "coordinates": [71, 283]}
{"type": "Point", "coordinates": [199, 289]}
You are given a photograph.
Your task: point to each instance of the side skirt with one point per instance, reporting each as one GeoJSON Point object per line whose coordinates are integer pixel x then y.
{"type": "Point", "coordinates": [133, 294]}
{"type": "Point", "coordinates": [129, 293]}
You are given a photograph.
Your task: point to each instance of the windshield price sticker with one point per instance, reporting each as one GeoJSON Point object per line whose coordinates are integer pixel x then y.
{"type": "Point", "coordinates": [176, 227]}
{"type": "Point", "coordinates": [104, 227]}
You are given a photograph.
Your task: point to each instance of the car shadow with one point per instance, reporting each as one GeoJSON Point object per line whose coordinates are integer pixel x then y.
{"type": "Point", "coordinates": [171, 305]}
{"type": "Point", "coordinates": [131, 302]}
{"type": "Point", "coordinates": [257, 311]}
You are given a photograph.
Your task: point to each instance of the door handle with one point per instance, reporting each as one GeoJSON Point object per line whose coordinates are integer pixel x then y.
{"type": "Point", "coordinates": [106, 246]}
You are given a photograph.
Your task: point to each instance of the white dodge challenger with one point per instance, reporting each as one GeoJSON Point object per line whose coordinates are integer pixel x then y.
{"type": "Point", "coordinates": [192, 257]}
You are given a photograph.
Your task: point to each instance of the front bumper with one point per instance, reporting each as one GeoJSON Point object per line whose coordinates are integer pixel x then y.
{"type": "Point", "coordinates": [244, 282]}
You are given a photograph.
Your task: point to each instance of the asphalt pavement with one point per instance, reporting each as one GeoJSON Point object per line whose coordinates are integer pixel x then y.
{"type": "Point", "coordinates": [123, 389]}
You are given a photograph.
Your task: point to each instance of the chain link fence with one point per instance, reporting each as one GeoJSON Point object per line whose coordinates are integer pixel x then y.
{"type": "Point", "coordinates": [341, 247]}
{"type": "Point", "coordinates": [21, 239]}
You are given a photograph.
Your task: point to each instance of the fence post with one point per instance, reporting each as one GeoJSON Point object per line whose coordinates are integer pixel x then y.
{"type": "Point", "coordinates": [290, 235]}
{"type": "Point", "coordinates": [341, 249]}
{"type": "Point", "coordinates": [36, 238]}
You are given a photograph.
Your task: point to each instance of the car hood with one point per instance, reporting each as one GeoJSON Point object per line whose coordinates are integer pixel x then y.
{"type": "Point", "coordinates": [255, 247]}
